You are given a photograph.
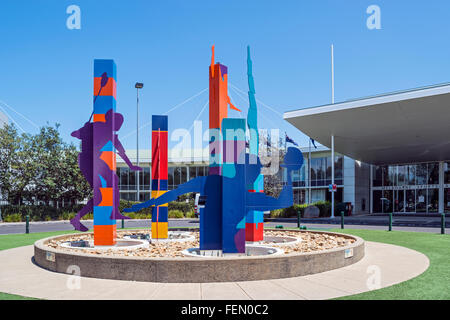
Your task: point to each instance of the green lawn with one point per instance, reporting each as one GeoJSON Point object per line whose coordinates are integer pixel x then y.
{"type": "Point", "coordinates": [432, 284]}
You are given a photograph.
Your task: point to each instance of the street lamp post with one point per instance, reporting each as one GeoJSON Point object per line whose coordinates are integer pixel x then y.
{"type": "Point", "coordinates": [138, 86]}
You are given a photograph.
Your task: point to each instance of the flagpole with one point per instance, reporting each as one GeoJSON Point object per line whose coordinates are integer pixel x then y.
{"type": "Point", "coordinates": [332, 74]}
{"type": "Point", "coordinates": [309, 173]}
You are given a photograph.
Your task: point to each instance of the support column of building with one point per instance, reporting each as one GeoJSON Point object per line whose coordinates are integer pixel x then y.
{"type": "Point", "coordinates": [371, 189]}
{"type": "Point", "coordinates": [441, 186]}
{"type": "Point", "coordinates": [332, 175]}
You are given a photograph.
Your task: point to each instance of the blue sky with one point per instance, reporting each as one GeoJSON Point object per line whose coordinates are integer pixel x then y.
{"type": "Point", "coordinates": [46, 69]}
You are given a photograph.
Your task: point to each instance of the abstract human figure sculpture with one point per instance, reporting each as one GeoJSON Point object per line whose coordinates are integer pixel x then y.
{"type": "Point", "coordinates": [97, 159]}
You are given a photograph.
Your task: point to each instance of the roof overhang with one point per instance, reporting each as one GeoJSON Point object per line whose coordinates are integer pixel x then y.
{"type": "Point", "coordinates": [403, 127]}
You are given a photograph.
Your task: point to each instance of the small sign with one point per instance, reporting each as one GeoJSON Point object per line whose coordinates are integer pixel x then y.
{"type": "Point", "coordinates": [348, 253]}
{"type": "Point", "coordinates": [332, 187]}
{"type": "Point", "coordinates": [50, 256]}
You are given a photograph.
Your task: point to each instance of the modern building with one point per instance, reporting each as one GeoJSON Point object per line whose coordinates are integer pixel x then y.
{"type": "Point", "coordinates": [395, 150]}
{"type": "Point", "coordinates": [187, 164]}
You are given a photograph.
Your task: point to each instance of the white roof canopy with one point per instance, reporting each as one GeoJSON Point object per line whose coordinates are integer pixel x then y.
{"type": "Point", "coordinates": [403, 127]}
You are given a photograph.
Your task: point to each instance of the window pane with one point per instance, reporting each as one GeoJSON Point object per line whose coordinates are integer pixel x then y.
{"type": "Point", "coordinates": [170, 176]}
{"type": "Point", "coordinates": [313, 171]}
{"type": "Point", "coordinates": [176, 176]}
{"type": "Point", "coordinates": [377, 176]}
{"type": "Point", "coordinates": [124, 177]}
{"type": "Point", "coordinates": [387, 201]}
{"type": "Point", "coordinates": [338, 167]}
{"type": "Point", "coordinates": [386, 180]}
{"type": "Point", "coordinates": [410, 201]}
{"type": "Point", "coordinates": [447, 200]}
{"type": "Point", "coordinates": [392, 175]}
{"type": "Point", "coordinates": [183, 174]}
{"type": "Point", "coordinates": [421, 174]}
{"type": "Point", "coordinates": [401, 176]}
{"type": "Point", "coordinates": [433, 173]}
{"type": "Point", "coordinates": [433, 200]}
{"type": "Point", "coordinates": [421, 200]}
{"type": "Point", "coordinates": [412, 175]}
{"type": "Point", "coordinates": [118, 174]}
{"type": "Point", "coordinates": [328, 168]}
{"type": "Point", "coordinates": [147, 179]}
{"type": "Point", "coordinates": [446, 172]}
{"type": "Point", "coordinates": [192, 172]}
{"type": "Point", "coordinates": [132, 179]}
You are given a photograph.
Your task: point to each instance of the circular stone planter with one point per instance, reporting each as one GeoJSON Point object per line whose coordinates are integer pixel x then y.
{"type": "Point", "coordinates": [198, 269]}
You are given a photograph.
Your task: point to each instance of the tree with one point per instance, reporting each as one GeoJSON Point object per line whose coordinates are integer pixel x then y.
{"type": "Point", "coordinates": [39, 167]}
{"type": "Point", "coordinates": [16, 167]}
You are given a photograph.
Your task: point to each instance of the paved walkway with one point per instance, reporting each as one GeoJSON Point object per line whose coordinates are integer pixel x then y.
{"type": "Point", "coordinates": [19, 275]}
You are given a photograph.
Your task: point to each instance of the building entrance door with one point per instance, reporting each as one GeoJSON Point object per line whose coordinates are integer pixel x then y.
{"type": "Point", "coordinates": [399, 200]}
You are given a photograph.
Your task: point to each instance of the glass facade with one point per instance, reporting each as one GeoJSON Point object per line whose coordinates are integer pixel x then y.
{"type": "Point", "coordinates": [128, 183]}
{"type": "Point", "coordinates": [321, 171]}
{"type": "Point", "coordinates": [406, 188]}
{"type": "Point", "coordinates": [176, 176]}
{"type": "Point", "coordinates": [320, 179]}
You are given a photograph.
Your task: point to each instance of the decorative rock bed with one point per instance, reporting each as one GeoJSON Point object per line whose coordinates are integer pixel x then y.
{"type": "Point", "coordinates": [297, 253]}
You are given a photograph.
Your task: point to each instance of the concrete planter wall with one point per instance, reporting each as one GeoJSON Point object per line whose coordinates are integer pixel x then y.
{"type": "Point", "coordinates": [198, 270]}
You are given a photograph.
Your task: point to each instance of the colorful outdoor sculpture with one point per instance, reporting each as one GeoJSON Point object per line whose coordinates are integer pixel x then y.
{"type": "Point", "coordinates": [160, 214]}
{"type": "Point", "coordinates": [254, 224]}
{"type": "Point", "coordinates": [230, 197]}
{"type": "Point", "coordinates": [97, 159]}
{"type": "Point", "coordinates": [232, 171]}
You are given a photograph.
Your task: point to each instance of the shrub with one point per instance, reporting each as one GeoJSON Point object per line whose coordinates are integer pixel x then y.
{"type": "Point", "coordinates": [324, 208]}
{"type": "Point", "coordinates": [67, 215]}
{"type": "Point", "coordinates": [185, 207]}
{"type": "Point", "coordinates": [290, 212]}
{"type": "Point", "coordinates": [127, 204]}
{"type": "Point", "coordinates": [190, 214]}
{"type": "Point", "coordinates": [277, 213]}
{"type": "Point", "coordinates": [176, 214]}
{"type": "Point", "coordinates": [14, 217]}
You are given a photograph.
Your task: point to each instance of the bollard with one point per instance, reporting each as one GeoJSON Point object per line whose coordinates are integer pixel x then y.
{"type": "Point", "coordinates": [298, 219]}
{"type": "Point", "coordinates": [342, 219]}
{"type": "Point", "coordinates": [390, 221]}
{"type": "Point", "coordinates": [443, 223]}
{"type": "Point", "coordinates": [123, 224]}
{"type": "Point", "coordinates": [27, 224]}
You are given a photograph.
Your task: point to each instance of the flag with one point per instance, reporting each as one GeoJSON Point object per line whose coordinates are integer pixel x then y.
{"type": "Point", "coordinates": [313, 143]}
{"type": "Point", "coordinates": [290, 140]}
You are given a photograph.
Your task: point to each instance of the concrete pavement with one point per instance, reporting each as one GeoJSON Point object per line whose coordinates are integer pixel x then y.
{"type": "Point", "coordinates": [389, 264]}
